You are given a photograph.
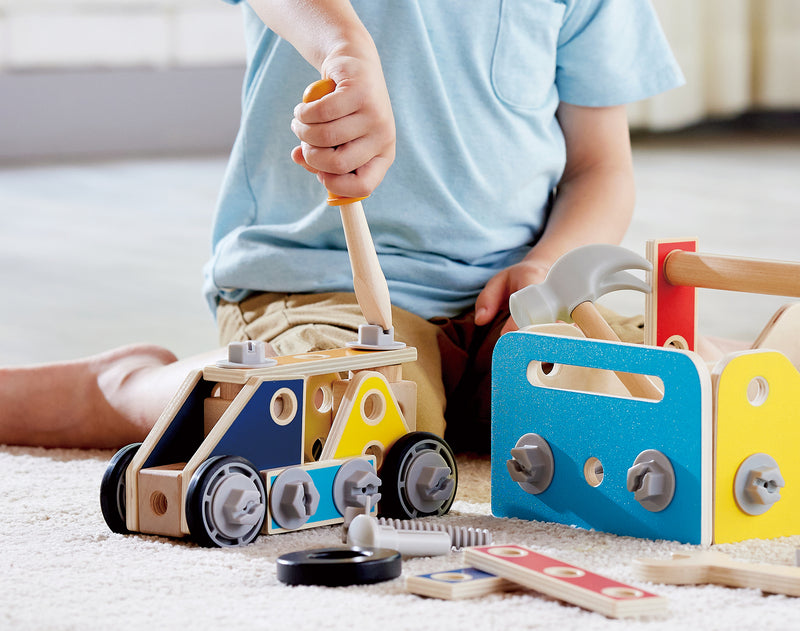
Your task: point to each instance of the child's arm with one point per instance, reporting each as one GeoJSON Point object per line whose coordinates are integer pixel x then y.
{"type": "Point", "coordinates": [347, 137]}
{"type": "Point", "coordinates": [594, 203]}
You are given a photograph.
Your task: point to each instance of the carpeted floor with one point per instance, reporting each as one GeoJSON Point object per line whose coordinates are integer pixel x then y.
{"type": "Point", "coordinates": [63, 569]}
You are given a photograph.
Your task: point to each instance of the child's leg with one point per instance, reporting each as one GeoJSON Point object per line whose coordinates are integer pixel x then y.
{"type": "Point", "coordinates": [106, 400]}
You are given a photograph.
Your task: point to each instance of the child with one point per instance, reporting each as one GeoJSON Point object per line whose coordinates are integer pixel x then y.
{"type": "Point", "coordinates": [489, 107]}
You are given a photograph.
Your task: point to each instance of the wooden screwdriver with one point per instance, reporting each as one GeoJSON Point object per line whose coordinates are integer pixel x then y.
{"type": "Point", "coordinates": [369, 283]}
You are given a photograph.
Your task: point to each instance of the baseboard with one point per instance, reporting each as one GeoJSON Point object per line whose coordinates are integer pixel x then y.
{"type": "Point", "coordinates": [47, 115]}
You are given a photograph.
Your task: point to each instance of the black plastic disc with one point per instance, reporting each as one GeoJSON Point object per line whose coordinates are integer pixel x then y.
{"type": "Point", "coordinates": [336, 567]}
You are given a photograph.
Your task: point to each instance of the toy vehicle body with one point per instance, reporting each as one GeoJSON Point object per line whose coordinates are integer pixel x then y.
{"type": "Point", "coordinates": [246, 450]}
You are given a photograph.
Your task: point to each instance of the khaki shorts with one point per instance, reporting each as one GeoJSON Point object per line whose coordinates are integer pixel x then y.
{"type": "Point", "coordinates": [452, 372]}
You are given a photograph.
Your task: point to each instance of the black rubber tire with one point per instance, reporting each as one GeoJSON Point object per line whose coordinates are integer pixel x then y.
{"type": "Point", "coordinates": [112, 489]}
{"type": "Point", "coordinates": [396, 502]}
{"type": "Point", "coordinates": [198, 517]}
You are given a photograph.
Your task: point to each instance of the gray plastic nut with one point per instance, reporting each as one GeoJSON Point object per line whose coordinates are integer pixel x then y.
{"type": "Point", "coordinates": [757, 484]}
{"type": "Point", "coordinates": [429, 481]}
{"type": "Point", "coordinates": [241, 506]}
{"type": "Point", "coordinates": [373, 337]}
{"type": "Point", "coordinates": [248, 354]}
{"type": "Point", "coordinates": [434, 483]}
{"type": "Point", "coordinates": [531, 465]}
{"type": "Point", "coordinates": [651, 479]}
{"type": "Point", "coordinates": [293, 499]}
{"type": "Point", "coordinates": [356, 486]}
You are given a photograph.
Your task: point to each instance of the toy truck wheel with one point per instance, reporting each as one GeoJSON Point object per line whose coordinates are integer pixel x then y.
{"type": "Point", "coordinates": [419, 477]}
{"type": "Point", "coordinates": [112, 489]}
{"type": "Point", "coordinates": [226, 503]}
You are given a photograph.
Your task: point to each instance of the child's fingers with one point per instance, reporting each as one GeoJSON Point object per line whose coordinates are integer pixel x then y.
{"type": "Point", "coordinates": [297, 158]}
{"type": "Point", "coordinates": [338, 104]}
{"type": "Point", "coordinates": [359, 183]}
{"type": "Point", "coordinates": [345, 158]}
{"type": "Point", "coordinates": [489, 300]}
{"type": "Point", "coordinates": [331, 134]}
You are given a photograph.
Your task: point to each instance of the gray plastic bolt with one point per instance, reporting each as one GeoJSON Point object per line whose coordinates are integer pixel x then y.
{"type": "Point", "coordinates": [531, 464]}
{"type": "Point", "coordinates": [757, 484]}
{"type": "Point", "coordinates": [365, 531]}
{"type": "Point", "coordinates": [651, 479]}
{"type": "Point", "coordinates": [460, 536]}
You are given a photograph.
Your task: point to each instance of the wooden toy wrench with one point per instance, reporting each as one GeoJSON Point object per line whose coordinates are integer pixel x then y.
{"type": "Point", "coordinates": [715, 567]}
{"type": "Point", "coordinates": [369, 283]}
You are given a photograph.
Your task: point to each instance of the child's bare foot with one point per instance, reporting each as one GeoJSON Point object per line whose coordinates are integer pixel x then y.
{"type": "Point", "coordinates": [106, 400]}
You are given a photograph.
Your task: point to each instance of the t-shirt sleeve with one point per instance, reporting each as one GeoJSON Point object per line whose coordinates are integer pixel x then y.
{"type": "Point", "coordinates": [612, 52]}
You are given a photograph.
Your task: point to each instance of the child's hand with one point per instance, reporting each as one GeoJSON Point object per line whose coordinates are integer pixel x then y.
{"type": "Point", "coordinates": [495, 295]}
{"type": "Point", "coordinates": [348, 137]}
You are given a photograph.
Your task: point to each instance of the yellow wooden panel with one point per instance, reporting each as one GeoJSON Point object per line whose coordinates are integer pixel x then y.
{"type": "Point", "coordinates": [368, 417]}
{"type": "Point", "coordinates": [757, 402]}
{"type": "Point", "coordinates": [318, 411]}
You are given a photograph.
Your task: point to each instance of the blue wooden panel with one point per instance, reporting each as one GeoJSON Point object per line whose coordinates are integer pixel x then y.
{"type": "Point", "coordinates": [323, 477]}
{"type": "Point", "coordinates": [256, 436]}
{"type": "Point", "coordinates": [580, 425]}
{"type": "Point", "coordinates": [185, 432]}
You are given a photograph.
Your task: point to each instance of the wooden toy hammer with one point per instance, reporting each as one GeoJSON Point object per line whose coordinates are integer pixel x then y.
{"type": "Point", "coordinates": [574, 281]}
{"type": "Point", "coordinates": [369, 283]}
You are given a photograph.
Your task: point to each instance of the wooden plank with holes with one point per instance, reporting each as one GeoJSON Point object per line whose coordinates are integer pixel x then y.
{"type": "Point", "coordinates": [457, 584]}
{"type": "Point", "coordinates": [565, 581]}
{"type": "Point", "coordinates": [317, 363]}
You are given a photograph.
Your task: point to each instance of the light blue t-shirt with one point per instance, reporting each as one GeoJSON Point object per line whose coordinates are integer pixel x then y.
{"type": "Point", "coordinates": [474, 88]}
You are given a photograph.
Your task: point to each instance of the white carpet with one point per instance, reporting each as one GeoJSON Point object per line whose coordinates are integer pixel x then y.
{"type": "Point", "coordinates": [63, 569]}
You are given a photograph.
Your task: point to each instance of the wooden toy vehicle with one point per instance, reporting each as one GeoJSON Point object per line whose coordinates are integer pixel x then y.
{"type": "Point", "coordinates": [245, 450]}
{"type": "Point", "coordinates": [258, 445]}
{"type": "Point", "coordinates": [709, 456]}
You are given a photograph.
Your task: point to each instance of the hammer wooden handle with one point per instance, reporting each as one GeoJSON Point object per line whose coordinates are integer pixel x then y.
{"type": "Point", "coordinates": [757, 276]}
{"type": "Point", "coordinates": [593, 325]}
{"type": "Point", "coordinates": [369, 283]}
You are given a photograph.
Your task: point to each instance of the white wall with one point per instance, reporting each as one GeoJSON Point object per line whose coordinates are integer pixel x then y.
{"type": "Point", "coordinates": [105, 78]}
{"type": "Point", "coordinates": [52, 34]}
